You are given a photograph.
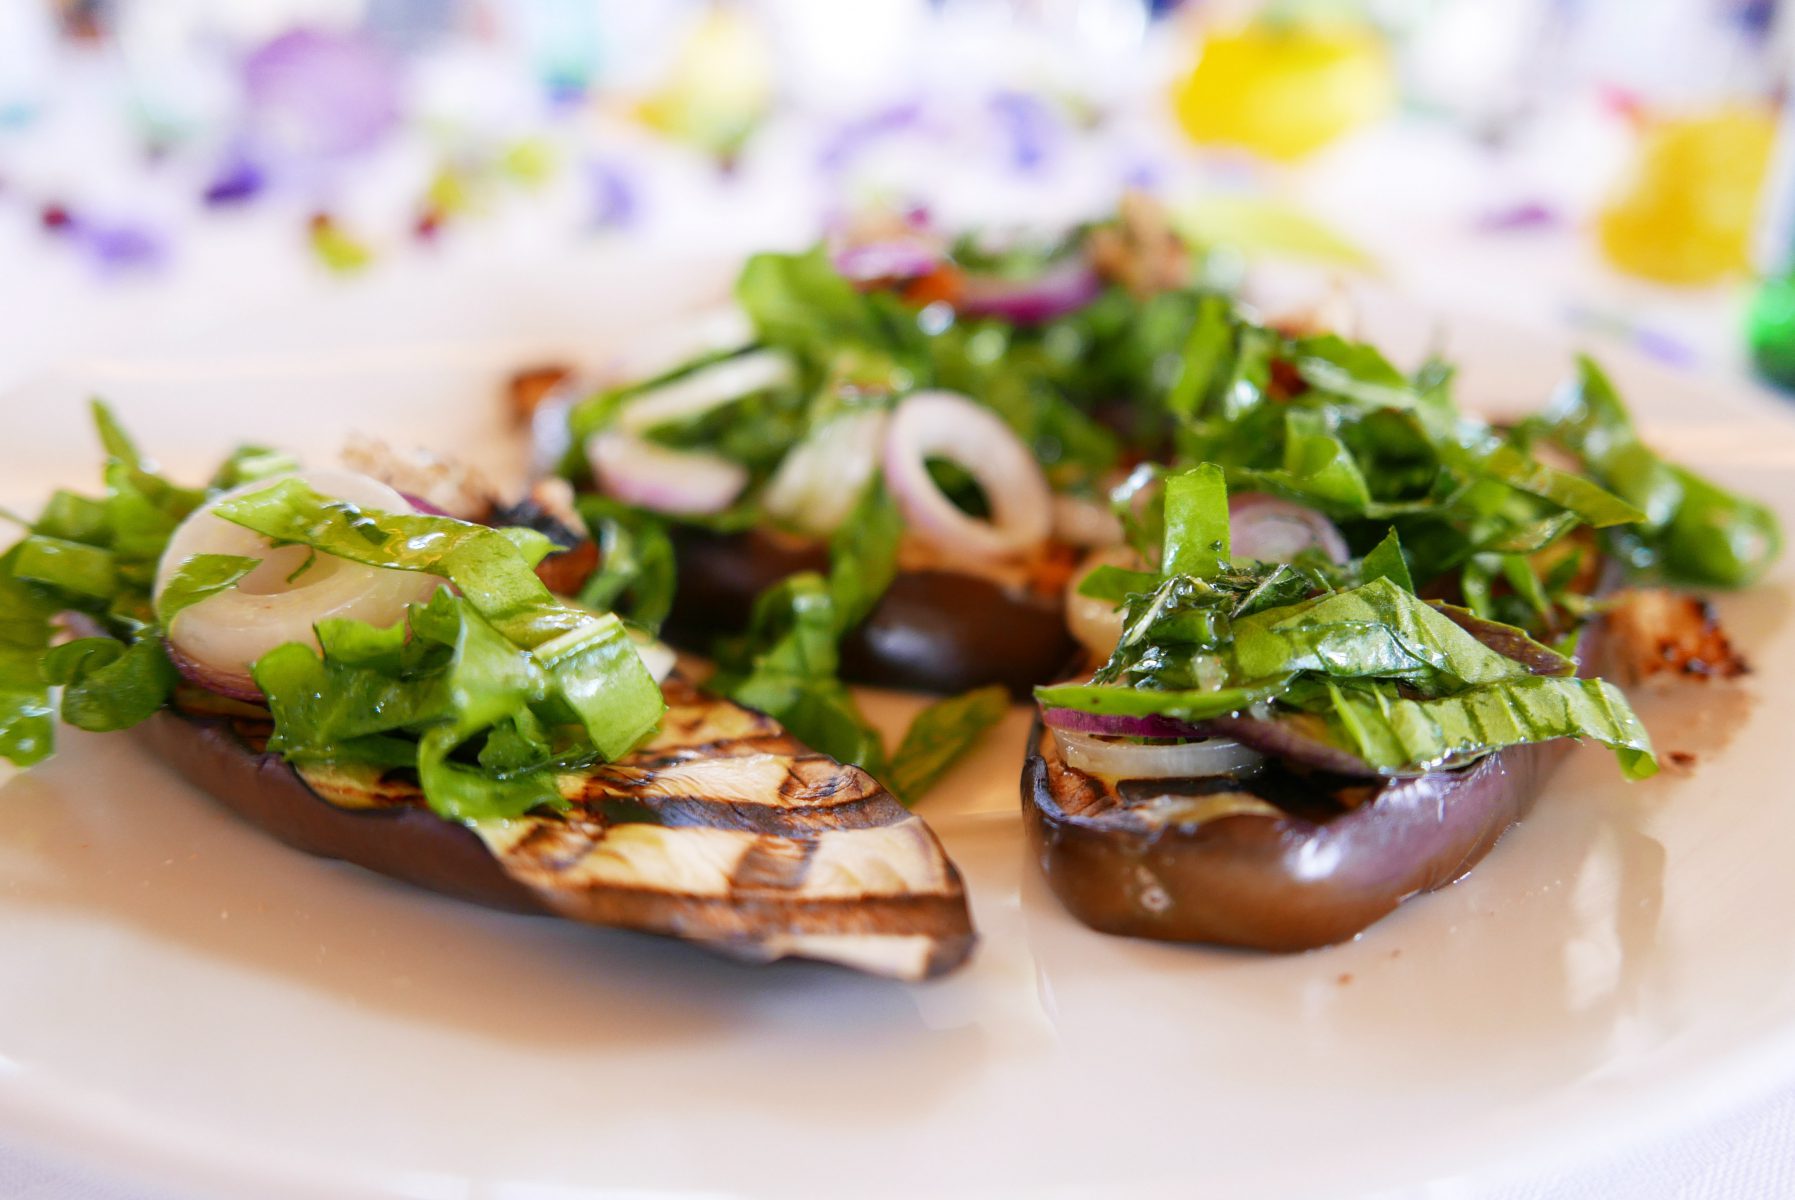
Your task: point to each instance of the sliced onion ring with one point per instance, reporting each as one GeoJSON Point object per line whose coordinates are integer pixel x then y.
{"type": "Point", "coordinates": [938, 424]}
{"type": "Point", "coordinates": [1095, 755]}
{"type": "Point", "coordinates": [1082, 521]}
{"type": "Point", "coordinates": [215, 641]}
{"type": "Point", "coordinates": [655, 477]}
{"type": "Point", "coordinates": [656, 655]}
{"type": "Point", "coordinates": [1274, 530]}
{"type": "Point", "coordinates": [704, 389]}
{"type": "Point", "coordinates": [1097, 624]}
{"type": "Point", "coordinates": [819, 480]}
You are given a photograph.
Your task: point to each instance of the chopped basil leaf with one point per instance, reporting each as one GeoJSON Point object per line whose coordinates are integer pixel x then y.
{"type": "Point", "coordinates": [107, 685]}
{"type": "Point", "coordinates": [1397, 734]}
{"type": "Point", "coordinates": [69, 567]}
{"type": "Point", "coordinates": [1385, 561]}
{"type": "Point", "coordinates": [863, 555]}
{"type": "Point", "coordinates": [1196, 513]}
{"type": "Point", "coordinates": [939, 735]}
{"type": "Point", "coordinates": [200, 577]}
{"type": "Point", "coordinates": [636, 571]}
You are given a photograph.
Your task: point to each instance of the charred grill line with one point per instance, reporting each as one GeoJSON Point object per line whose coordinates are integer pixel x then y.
{"type": "Point", "coordinates": [866, 812]}
{"type": "Point", "coordinates": [774, 863]}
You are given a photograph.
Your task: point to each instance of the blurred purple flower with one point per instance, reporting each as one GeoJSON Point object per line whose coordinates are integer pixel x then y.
{"type": "Point", "coordinates": [238, 179]}
{"type": "Point", "coordinates": [314, 94]}
{"type": "Point", "coordinates": [1518, 217]}
{"type": "Point", "coordinates": [1666, 348]}
{"type": "Point", "coordinates": [112, 246]}
{"type": "Point", "coordinates": [1029, 127]}
{"type": "Point", "coordinates": [1143, 175]}
{"type": "Point", "coordinates": [615, 202]}
{"type": "Point", "coordinates": [855, 136]}
{"type": "Point", "coordinates": [122, 247]}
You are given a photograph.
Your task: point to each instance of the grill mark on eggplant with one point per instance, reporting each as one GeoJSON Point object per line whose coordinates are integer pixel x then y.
{"type": "Point", "coordinates": [773, 862]}
{"type": "Point", "coordinates": [776, 852]}
{"type": "Point", "coordinates": [676, 811]}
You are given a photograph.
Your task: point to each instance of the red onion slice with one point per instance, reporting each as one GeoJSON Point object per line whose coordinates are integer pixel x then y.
{"type": "Point", "coordinates": [680, 482]}
{"type": "Point", "coordinates": [237, 685]}
{"type": "Point", "coordinates": [1274, 530]}
{"type": "Point", "coordinates": [1293, 739]}
{"type": "Point", "coordinates": [1063, 288]}
{"type": "Point", "coordinates": [939, 424]}
{"type": "Point", "coordinates": [422, 505]}
{"type": "Point", "coordinates": [1115, 725]}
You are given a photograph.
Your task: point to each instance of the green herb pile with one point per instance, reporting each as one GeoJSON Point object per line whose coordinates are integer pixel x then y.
{"type": "Point", "coordinates": [1431, 501]}
{"type": "Point", "coordinates": [1405, 684]}
{"type": "Point", "coordinates": [487, 692]}
{"type": "Point", "coordinates": [1077, 390]}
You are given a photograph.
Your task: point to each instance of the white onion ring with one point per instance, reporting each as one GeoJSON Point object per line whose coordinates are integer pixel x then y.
{"type": "Point", "coordinates": [681, 482]}
{"type": "Point", "coordinates": [221, 636]}
{"type": "Point", "coordinates": [818, 482]}
{"type": "Point", "coordinates": [938, 424]}
{"type": "Point", "coordinates": [1097, 624]}
{"type": "Point", "coordinates": [1095, 755]}
{"type": "Point", "coordinates": [1274, 530]}
{"type": "Point", "coordinates": [656, 655]}
{"type": "Point", "coordinates": [704, 389]}
{"type": "Point", "coordinates": [1081, 521]}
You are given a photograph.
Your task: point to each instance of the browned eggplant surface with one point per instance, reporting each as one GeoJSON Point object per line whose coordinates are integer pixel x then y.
{"type": "Point", "coordinates": [932, 631]}
{"type": "Point", "coordinates": [722, 830]}
{"type": "Point", "coordinates": [1136, 859]}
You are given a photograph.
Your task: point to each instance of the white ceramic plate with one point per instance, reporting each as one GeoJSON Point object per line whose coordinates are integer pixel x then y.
{"type": "Point", "coordinates": [187, 1002]}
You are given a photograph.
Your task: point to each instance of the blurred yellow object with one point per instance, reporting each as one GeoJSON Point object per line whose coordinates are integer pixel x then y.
{"type": "Point", "coordinates": [1257, 227]}
{"type": "Point", "coordinates": [1687, 212]}
{"type": "Point", "coordinates": [719, 86]}
{"type": "Point", "coordinates": [1285, 89]}
{"type": "Point", "coordinates": [530, 161]}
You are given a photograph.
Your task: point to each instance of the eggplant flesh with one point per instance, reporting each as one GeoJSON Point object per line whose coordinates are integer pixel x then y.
{"type": "Point", "coordinates": [932, 631]}
{"type": "Point", "coordinates": [1120, 860]}
{"type": "Point", "coordinates": [722, 830]}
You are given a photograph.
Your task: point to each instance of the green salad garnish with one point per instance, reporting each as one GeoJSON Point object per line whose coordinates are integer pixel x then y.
{"type": "Point", "coordinates": [487, 691]}
{"type": "Point", "coordinates": [1463, 535]}
{"type": "Point", "coordinates": [1395, 679]}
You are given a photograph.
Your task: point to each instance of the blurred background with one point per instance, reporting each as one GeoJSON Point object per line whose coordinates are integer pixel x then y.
{"type": "Point", "coordinates": [1607, 166]}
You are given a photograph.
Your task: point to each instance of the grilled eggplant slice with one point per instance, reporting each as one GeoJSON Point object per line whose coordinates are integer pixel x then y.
{"type": "Point", "coordinates": [1133, 863]}
{"type": "Point", "coordinates": [723, 830]}
{"type": "Point", "coordinates": [932, 631]}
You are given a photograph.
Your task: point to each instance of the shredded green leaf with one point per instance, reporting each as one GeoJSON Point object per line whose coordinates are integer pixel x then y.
{"type": "Point", "coordinates": [940, 734]}
{"type": "Point", "coordinates": [198, 578]}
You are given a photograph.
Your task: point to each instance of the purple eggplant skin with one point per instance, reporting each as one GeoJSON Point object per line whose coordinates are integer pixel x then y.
{"type": "Point", "coordinates": [932, 631]}
{"type": "Point", "coordinates": [1280, 883]}
{"type": "Point", "coordinates": [409, 844]}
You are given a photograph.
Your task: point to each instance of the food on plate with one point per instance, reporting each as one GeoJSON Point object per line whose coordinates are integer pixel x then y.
{"type": "Point", "coordinates": [934, 425]}
{"type": "Point", "coordinates": [1348, 635]}
{"type": "Point", "coordinates": [369, 679]}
